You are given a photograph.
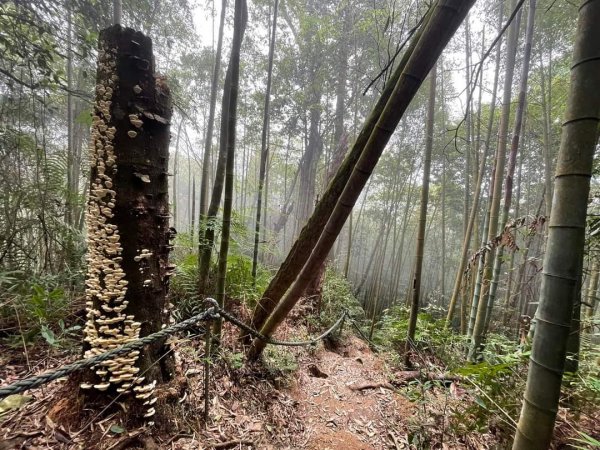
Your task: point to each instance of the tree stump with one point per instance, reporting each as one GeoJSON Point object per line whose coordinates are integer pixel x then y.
{"type": "Point", "coordinates": [128, 216]}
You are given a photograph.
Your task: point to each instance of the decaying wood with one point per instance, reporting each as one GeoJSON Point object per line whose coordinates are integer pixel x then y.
{"type": "Point", "coordinates": [403, 378]}
{"type": "Point", "coordinates": [233, 443]}
{"type": "Point", "coordinates": [132, 111]}
{"type": "Point", "coordinates": [364, 386]}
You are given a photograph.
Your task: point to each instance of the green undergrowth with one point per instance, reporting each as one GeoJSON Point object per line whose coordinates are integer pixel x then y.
{"type": "Point", "coordinates": [337, 298]}
{"type": "Point", "coordinates": [240, 285]}
{"type": "Point", "coordinates": [34, 308]}
{"type": "Point", "coordinates": [493, 387]}
{"type": "Point", "coordinates": [432, 337]}
{"type": "Point", "coordinates": [279, 361]}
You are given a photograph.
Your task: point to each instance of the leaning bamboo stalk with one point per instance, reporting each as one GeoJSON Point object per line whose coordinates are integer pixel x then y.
{"type": "Point", "coordinates": [309, 235]}
{"type": "Point", "coordinates": [446, 16]}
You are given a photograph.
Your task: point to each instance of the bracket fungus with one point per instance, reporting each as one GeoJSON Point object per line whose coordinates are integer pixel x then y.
{"type": "Point", "coordinates": [135, 120]}
{"type": "Point", "coordinates": [108, 326]}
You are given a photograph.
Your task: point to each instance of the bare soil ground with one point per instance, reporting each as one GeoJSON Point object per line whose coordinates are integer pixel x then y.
{"type": "Point", "coordinates": [338, 417]}
{"type": "Point", "coordinates": [313, 408]}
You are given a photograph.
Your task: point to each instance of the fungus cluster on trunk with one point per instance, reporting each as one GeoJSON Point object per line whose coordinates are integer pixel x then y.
{"type": "Point", "coordinates": [108, 325]}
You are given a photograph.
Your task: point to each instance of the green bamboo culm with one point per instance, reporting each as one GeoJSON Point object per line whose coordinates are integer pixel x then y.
{"type": "Point", "coordinates": [564, 254]}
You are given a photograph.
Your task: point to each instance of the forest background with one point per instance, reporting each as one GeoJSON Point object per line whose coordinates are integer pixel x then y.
{"type": "Point", "coordinates": [330, 63]}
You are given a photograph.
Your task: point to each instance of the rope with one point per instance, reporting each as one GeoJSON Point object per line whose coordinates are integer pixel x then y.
{"type": "Point", "coordinates": [372, 344]}
{"type": "Point", "coordinates": [38, 380]}
{"type": "Point", "coordinates": [272, 341]}
{"type": "Point", "coordinates": [212, 313]}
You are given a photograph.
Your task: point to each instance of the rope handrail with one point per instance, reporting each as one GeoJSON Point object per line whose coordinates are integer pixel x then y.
{"type": "Point", "coordinates": [211, 313]}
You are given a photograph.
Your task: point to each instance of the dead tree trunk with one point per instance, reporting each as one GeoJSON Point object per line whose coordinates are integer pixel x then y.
{"type": "Point", "coordinates": [128, 215]}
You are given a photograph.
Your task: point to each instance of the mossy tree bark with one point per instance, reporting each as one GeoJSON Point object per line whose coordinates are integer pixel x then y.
{"type": "Point", "coordinates": [439, 26]}
{"type": "Point", "coordinates": [128, 212]}
{"type": "Point", "coordinates": [566, 235]}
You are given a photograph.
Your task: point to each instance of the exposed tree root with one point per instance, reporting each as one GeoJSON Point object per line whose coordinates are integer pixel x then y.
{"type": "Point", "coordinates": [403, 378]}
{"type": "Point", "coordinates": [363, 386]}
{"type": "Point", "coordinates": [233, 443]}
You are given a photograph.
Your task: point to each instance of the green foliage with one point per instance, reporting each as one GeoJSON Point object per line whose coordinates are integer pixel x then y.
{"type": "Point", "coordinates": [37, 307]}
{"type": "Point", "coordinates": [234, 360]}
{"type": "Point", "coordinates": [45, 304]}
{"type": "Point", "coordinates": [239, 284]}
{"type": "Point", "coordinates": [183, 246]}
{"type": "Point", "coordinates": [57, 340]}
{"type": "Point", "coordinates": [393, 328]}
{"type": "Point", "coordinates": [183, 289]}
{"type": "Point", "coordinates": [589, 442]}
{"type": "Point", "coordinates": [431, 336]}
{"type": "Point", "coordinates": [279, 360]}
{"type": "Point", "coordinates": [29, 45]}
{"type": "Point", "coordinates": [338, 297]}
{"type": "Point", "coordinates": [421, 393]}
{"type": "Point", "coordinates": [496, 386]}
{"type": "Point", "coordinates": [584, 386]}
{"type": "Point", "coordinates": [34, 192]}
{"type": "Point", "coordinates": [117, 429]}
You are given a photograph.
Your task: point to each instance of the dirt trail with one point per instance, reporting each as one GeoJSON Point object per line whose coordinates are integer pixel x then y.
{"type": "Point", "coordinates": [337, 417]}
{"type": "Point", "coordinates": [317, 410]}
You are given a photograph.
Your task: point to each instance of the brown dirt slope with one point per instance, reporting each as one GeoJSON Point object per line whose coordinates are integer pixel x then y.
{"type": "Point", "coordinates": [338, 417]}
{"type": "Point", "coordinates": [314, 408]}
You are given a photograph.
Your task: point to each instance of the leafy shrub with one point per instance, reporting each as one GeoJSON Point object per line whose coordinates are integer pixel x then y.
{"type": "Point", "coordinates": [431, 335]}
{"type": "Point", "coordinates": [36, 306]}
{"type": "Point", "coordinates": [279, 360]}
{"type": "Point", "coordinates": [183, 290]}
{"type": "Point", "coordinates": [240, 283]}
{"type": "Point", "coordinates": [584, 386]}
{"type": "Point", "coordinates": [338, 297]}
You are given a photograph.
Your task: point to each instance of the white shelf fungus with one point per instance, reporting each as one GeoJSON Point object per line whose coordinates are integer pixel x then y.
{"type": "Point", "coordinates": [107, 325]}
